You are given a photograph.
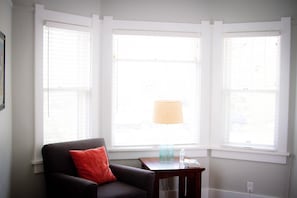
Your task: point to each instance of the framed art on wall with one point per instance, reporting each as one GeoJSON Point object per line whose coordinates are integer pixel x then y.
{"type": "Point", "coordinates": [2, 71]}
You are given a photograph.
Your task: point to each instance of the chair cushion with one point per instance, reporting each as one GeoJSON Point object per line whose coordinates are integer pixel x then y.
{"type": "Point", "coordinates": [120, 190]}
{"type": "Point", "coordinates": [92, 164]}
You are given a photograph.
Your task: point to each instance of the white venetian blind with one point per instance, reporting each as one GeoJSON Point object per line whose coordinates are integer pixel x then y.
{"type": "Point", "coordinates": [66, 83]}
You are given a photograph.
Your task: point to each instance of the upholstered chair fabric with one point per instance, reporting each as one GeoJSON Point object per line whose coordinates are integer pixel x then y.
{"type": "Point", "coordinates": [62, 179]}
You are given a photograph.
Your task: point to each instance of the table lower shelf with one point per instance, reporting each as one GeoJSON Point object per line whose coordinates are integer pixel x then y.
{"type": "Point", "coordinates": [189, 178]}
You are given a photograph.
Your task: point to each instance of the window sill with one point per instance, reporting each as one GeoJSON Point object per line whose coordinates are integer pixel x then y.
{"type": "Point", "coordinates": [37, 166]}
{"type": "Point", "coordinates": [268, 156]}
{"type": "Point", "coordinates": [135, 153]}
{"type": "Point", "coordinates": [249, 154]}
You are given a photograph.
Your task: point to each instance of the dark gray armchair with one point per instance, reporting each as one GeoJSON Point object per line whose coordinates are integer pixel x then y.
{"type": "Point", "coordinates": [62, 180]}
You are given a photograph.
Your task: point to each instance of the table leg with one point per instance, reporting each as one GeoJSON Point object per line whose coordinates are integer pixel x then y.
{"type": "Point", "coordinates": [156, 187]}
{"type": "Point", "coordinates": [198, 185]}
{"type": "Point", "coordinates": [194, 186]}
{"type": "Point", "coordinates": [181, 187]}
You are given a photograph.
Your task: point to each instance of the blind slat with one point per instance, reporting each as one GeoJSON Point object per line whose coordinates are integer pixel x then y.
{"type": "Point", "coordinates": [66, 83]}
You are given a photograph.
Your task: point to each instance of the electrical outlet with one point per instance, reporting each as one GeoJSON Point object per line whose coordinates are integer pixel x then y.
{"type": "Point", "coordinates": [250, 186]}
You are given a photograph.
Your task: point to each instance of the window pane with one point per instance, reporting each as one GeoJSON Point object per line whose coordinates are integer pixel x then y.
{"type": "Point", "coordinates": [66, 84]}
{"type": "Point", "coordinates": [252, 62]}
{"type": "Point", "coordinates": [164, 48]}
{"type": "Point", "coordinates": [66, 58]}
{"type": "Point", "coordinates": [152, 72]}
{"type": "Point", "coordinates": [251, 83]}
{"type": "Point", "coordinates": [62, 118]}
{"type": "Point", "coordinates": [252, 118]}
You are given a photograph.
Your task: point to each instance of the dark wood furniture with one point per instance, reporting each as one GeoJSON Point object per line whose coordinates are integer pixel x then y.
{"type": "Point", "coordinates": [189, 178]}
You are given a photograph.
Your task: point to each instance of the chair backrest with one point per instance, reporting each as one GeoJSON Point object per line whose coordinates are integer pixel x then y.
{"type": "Point", "coordinates": [56, 157]}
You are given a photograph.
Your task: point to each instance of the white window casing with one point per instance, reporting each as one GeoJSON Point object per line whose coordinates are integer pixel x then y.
{"type": "Point", "coordinates": [219, 148]}
{"type": "Point", "coordinates": [71, 22]}
{"type": "Point", "coordinates": [111, 26]}
{"type": "Point", "coordinates": [211, 135]}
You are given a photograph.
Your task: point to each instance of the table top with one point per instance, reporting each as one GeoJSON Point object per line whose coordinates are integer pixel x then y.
{"type": "Point", "coordinates": [155, 164]}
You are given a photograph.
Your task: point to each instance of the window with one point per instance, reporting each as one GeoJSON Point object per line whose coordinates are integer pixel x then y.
{"type": "Point", "coordinates": [66, 84]}
{"type": "Point", "coordinates": [65, 78]}
{"type": "Point", "coordinates": [232, 80]}
{"type": "Point", "coordinates": [152, 66]}
{"type": "Point", "coordinates": [251, 74]}
{"type": "Point", "coordinates": [250, 93]}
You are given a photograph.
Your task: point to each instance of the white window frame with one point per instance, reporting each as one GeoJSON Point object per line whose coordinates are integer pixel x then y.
{"type": "Point", "coordinates": [218, 149]}
{"type": "Point", "coordinates": [108, 26]}
{"type": "Point", "coordinates": [211, 67]}
{"type": "Point", "coordinates": [92, 23]}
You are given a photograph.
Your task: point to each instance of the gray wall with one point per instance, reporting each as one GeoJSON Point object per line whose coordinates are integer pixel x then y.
{"type": "Point", "coordinates": [293, 135]}
{"type": "Point", "coordinates": [193, 11]}
{"type": "Point", "coordinates": [232, 175]}
{"type": "Point", "coordinates": [270, 179]}
{"type": "Point", "coordinates": [24, 183]}
{"type": "Point", "coordinates": [6, 114]}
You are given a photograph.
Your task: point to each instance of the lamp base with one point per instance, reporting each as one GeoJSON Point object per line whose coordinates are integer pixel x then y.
{"type": "Point", "coordinates": [166, 153]}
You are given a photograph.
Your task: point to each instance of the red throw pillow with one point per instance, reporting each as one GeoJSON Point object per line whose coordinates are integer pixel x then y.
{"type": "Point", "coordinates": [92, 164]}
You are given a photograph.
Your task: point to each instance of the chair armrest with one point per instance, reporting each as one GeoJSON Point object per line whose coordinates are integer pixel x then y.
{"type": "Point", "coordinates": [140, 178]}
{"type": "Point", "coordinates": [62, 185]}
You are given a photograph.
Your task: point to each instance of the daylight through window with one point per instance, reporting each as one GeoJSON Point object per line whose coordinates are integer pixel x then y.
{"type": "Point", "coordinates": [147, 68]}
{"type": "Point", "coordinates": [66, 84]}
{"type": "Point", "coordinates": [251, 89]}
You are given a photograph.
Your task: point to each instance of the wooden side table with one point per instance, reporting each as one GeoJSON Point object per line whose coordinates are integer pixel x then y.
{"type": "Point", "coordinates": [189, 178]}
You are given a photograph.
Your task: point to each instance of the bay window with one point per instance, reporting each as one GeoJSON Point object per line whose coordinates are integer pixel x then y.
{"type": "Point", "coordinates": [232, 81]}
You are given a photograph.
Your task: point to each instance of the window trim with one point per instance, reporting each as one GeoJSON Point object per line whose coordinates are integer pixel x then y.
{"type": "Point", "coordinates": [218, 148]}
{"type": "Point", "coordinates": [109, 26]}
{"type": "Point", "coordinates": [211, 144]}
{"type": "Point", "coordinates": [135, 153]}
{"type": "Point", "coordinates": [197, 79]}
{"type": "Point", "coordinates": [41, 17]}
{"type": "Point", "coordinates": [248, 154]}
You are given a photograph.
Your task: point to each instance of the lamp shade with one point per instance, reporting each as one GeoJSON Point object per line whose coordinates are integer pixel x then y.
{"type": "Point", "coordinates": [168, 112]}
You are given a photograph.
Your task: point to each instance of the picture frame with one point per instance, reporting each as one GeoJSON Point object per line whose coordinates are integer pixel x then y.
{"type": "Point", "coordinates": [2, 70]}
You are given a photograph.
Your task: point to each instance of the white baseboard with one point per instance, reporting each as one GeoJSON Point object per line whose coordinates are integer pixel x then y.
{"type": "Point", "coordinates": [218, 193]}
{"type": "Point", "coordinates": [205, 192]}
{"type": "Point", "coordinates": [174, 193]}
{"type": "Point", "coordinates": [214, 193]}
